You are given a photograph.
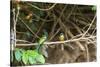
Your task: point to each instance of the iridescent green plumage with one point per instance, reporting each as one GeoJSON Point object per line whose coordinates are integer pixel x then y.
{"type": "Point", "coordinates": [42, 40]}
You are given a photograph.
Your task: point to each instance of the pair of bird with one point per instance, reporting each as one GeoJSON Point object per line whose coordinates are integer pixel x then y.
{"type": "Point", "coordinates": [44, 38]}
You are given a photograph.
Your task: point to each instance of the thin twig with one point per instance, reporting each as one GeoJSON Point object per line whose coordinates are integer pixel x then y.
{"type": "Point", "coordinates": [89, 26]}
{"type": "Point", "coordinates": [93, 31]}
{"type": "Point", "coordinates": [28, 28]}
{"type": "Point", "coordinates": [77, 28]}
{"type": "Point", "coordinates": [41, 26]}
{"type": "Point", "coordinates": [87, 53]}
{"type": "Point", "coordinates": [55, 23]}
{"type": "Point", "coordinates": [77, 42]}
{"type": "Point", "coordinates": [18, 40]}
{"type": "Point", "coordinates": [39, 18]}
{"type": "Point", "coordinates": [55, 34]}
{"type": "Point", "coordinates": [76, 36]}
{"type": "Point", "coordinates": [83, 14]}
{"type": "Point", "coordinates": [41, 8]}
{"type": "Point", "coordinates": [18, 8]}
{"type": "Point", "coordinates": [93, 42]}
{"type": "Point", "coordinates": [53, 28]}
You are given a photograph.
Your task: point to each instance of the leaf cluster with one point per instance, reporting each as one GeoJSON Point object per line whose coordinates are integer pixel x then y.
{"type": "Point", "coordinates": [28, 56]}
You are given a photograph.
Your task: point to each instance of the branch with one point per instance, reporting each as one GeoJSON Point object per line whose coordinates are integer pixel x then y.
{"type": "Point", "coordinates": [18, 8]}
{"type": "Point", "coordinates": [18, 40]}
{"type": "Point", "coordinates": [41, 8]}
{"type": "Point", "coordinates": [87, 53]}
{"type": "Point", "coordinates": [13, 31]}
{"type": "Point", "coordinates": [58, 42]}
{"type": "Point", "coordinates": [89, 26]}
{"type": "Point", "coordinates": [28, 28]}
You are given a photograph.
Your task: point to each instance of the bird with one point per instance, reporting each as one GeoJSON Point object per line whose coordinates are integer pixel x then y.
{"type": "Point", "coordinates": [61, 38]}
{"type": "Point", "coordinates": [41, 48]}
{"type": "Point", "coordinates": [42, 40]}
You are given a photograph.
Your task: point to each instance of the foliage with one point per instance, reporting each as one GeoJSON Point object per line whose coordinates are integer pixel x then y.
{"type": "Point", "coordinates": [29, 56]}
{"type": "Point", "coordinates": [18, 54]}
{"type": "Point", "coordinates": [93, 8]}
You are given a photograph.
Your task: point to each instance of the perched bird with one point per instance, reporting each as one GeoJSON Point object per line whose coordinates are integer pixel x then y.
{"type": "Point", "coordinates": [41, 48]}
{"type": "Point", "coordinates": [61, 37]}
{"type": "Point", "coordinates": [42, 40]}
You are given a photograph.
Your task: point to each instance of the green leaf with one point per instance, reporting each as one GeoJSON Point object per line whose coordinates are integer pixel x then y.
{"type": "Point", "coordinates": [18, 55]}
{"type": "Point", "coordinates": [40, 58]}
{"type": "Point", "coordinates": [32, 60]}
{"type": "Point", "coordinates": [32, 54]}
{"type": "Point", "coordinates": [25, 57]}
